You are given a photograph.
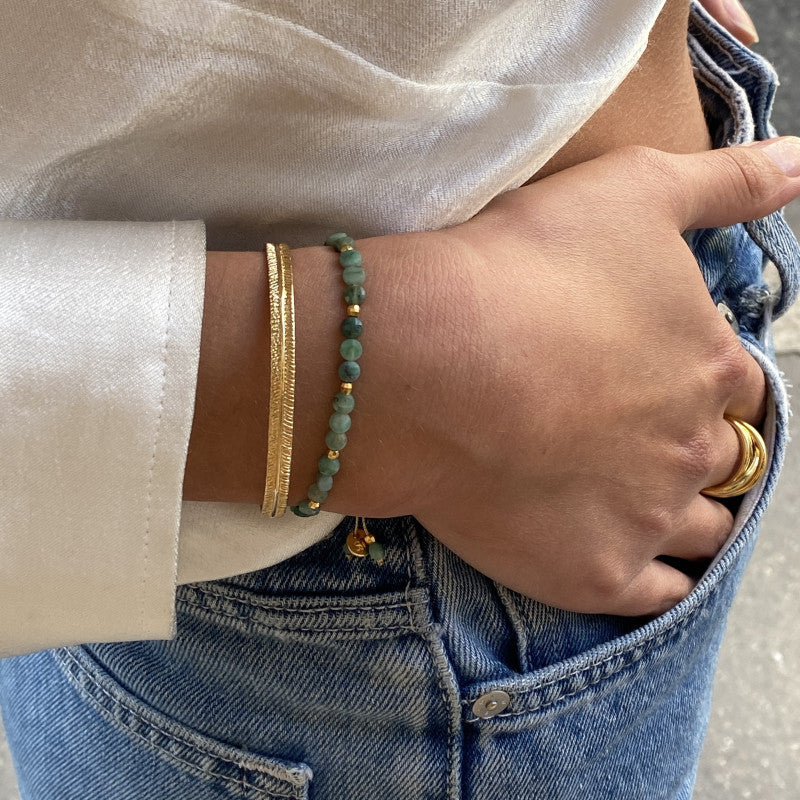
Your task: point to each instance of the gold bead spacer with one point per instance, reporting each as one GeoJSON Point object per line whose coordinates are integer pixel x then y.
{"type": "Point", "coordinates": [332, 454]}
{"type": "Point", "coordinates": [346, 388]}
{"type": "Point", "coordinates": [354, 310]}
{"type": "Point", "coordinates": [313, 504]}
{"type": "Point", "coordinates": [346, 247]}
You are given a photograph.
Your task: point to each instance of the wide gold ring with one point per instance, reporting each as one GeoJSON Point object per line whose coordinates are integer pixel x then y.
{"type": "Point", "coordinates": [752, 462]}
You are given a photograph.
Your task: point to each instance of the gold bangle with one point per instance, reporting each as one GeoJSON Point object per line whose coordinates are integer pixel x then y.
{"type": "Point", "coordinates": [282, 379]}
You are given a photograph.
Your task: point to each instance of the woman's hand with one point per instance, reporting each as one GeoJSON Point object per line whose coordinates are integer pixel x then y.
{"type": "Point", "coordinates": [543, 386]}
{"type": "Point", "coordinates": [732, 15]}
{"type": "Point", "coordinates": [558, 407]}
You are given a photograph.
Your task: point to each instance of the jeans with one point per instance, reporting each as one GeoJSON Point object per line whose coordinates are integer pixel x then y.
{"type": "Point", "coordinates": [341, 678]}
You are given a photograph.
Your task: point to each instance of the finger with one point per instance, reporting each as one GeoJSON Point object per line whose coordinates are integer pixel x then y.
{"type": "Point", "coordinates": [656, 589]}
{"type": "Point", "coordinates": [748, 395]}
{"type": "Point", "coordinates": [708, 525]}
{"type": "Point", "coordinates": [732, 15]}
{"type": "Point", "coordinates": [723, 187]}
{"type": "Point", "coordinates": [749, 400]}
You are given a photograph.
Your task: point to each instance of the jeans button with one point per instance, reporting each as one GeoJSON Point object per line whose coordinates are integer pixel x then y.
{"type": "Point", "coordinates": [491, 704]}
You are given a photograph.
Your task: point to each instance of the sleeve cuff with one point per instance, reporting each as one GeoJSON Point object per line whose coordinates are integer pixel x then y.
{"type": "Point", "coordinates": [99, 347]}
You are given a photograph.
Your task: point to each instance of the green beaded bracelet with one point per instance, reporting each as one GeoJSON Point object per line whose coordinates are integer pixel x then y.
{"type": "Point", "coordinates": [349, 371]}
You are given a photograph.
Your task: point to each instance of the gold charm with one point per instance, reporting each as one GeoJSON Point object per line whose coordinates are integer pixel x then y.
{"type": "Point", "coordinates": [359, 539]}
{"type": "Point", "coordinates": [361, 543]}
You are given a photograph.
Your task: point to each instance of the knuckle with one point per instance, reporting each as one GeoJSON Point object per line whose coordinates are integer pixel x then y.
{"type": "Point", "coordinates": [610, 581]}
{"type": "Point", "coordinates": [747, 177]}
{"type": "Point", "coordinates": [696, 455]}
{"type": "Point", "coordinates": [653, 176]}
{"type": "Point", "coordinates": [607, 586]}
{"type": "Point", "coordinates": [641, 154]}
{"type": "Point", "coordinates": [656, 523]}
{"type": "Point", "coordinates": [731, 368]}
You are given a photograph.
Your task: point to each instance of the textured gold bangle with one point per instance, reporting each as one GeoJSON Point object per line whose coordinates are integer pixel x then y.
{"type": "Point", "coordinates": [282, 378]}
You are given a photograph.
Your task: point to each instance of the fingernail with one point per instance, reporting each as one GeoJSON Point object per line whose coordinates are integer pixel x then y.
{"type": "Point", "coordinates": [785, 152]}
{"type": "Point", "coordinates": [742, 19]}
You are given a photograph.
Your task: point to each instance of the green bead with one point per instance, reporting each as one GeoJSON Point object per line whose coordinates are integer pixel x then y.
{"type": "Point", "coordinates": [334, 238]}
{"type": "Point", "coordinates": [335, 441]}
{"type": "Point", "coordinates": [328, 466]}
{"type": "Point", "coordinates": [354, 295]}
{"type": "Point", "coordinates": [303, 509]}
{"type": "Point", "coordinates": [344, 403]}
{"type": "Point", "coordinates": [325, 482]}
{"type": "Point", "coordinates": [377, 552]}
{"type": "Point", "coordinates": [352, 327]}
{"type": "Point", "coordinates": [353, 275]}
{"type": "Point", "coordinates": [316, 494]}
{"type": "Point", "coordinates": [344, 241]}
{"type": "Point", "coordinates": [340, 423]}
{"type": "Point", "coordinates": [349, 371]}
{"type": "Point", "coordinates": [350, 258]}
{"type": "Point", "coordinates": [351, 349]}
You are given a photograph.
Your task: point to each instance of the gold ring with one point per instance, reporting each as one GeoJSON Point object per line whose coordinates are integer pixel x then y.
{"type": "Point", "coordinates": [752, 462]}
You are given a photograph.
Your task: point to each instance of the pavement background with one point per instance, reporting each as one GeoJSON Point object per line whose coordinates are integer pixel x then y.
{"type": "Point", "coordinates": [753, 745]}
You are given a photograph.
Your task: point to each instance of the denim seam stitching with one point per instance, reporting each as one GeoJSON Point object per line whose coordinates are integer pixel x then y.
{"type": "Point", "coordinates": [719, 39]}
{"type": "Point", "coordinates": [715, 83]}
{"type": "Point", "coordinates": [409, 557]}
{"type": "Point", "coordinates": [119, 701]}
{"type": "Point", "coordinates": [734, 54]}
{"type": "Point", "coordinates": [634, 659]}
{"type": "Point", "coordinates": [646, 647]}
{"type": "Point", "coordinates": [266, 606]}
{"type": "Point", "coordinates": [308, 629]}
{"type": "Point", "coordinates": [184, 741]}
{"type": "Point", "coordinates": [442, 668]}
{"type": "Point", "coordinates": [509, 604]}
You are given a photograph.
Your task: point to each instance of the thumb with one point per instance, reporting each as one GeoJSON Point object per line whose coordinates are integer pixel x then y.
{"type": "Point", "coordinates": [734, 184]}
{"type": "Point", "coordinates": [731, 14]}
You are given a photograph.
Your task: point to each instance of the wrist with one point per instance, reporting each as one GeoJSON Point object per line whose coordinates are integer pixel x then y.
{"type": "Point", "coordinates": [389, 455]}
{"type": "Point", "coordinates": [226, 446]}
{"type": "Point", "coordinates": [226, 461]}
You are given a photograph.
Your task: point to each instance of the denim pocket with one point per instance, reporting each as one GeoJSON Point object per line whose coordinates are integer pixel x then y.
{"type": "Point", "coordinates": [310, 679]}
{"type": "Point", "coordinates": [626, 716]}
{"type": "Point", "coordinates": [108, 741]}
{"type": "Point", "coordinates": [204, 767]}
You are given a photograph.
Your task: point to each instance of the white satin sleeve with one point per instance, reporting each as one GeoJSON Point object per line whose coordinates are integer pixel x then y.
{"type": "Point", "coordinates": [99, 348]}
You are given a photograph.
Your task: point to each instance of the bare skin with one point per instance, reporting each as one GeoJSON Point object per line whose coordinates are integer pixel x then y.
{"type": "Point", "coordinates": [733, 15]}
{"type": "Point", "coordinates": [535, 412]}
{"type": "Point", "coordinates": [657, 105]}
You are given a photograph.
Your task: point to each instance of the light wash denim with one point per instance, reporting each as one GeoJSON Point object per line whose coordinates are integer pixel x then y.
{"type": "Point", "coordinates": [344, 679]}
